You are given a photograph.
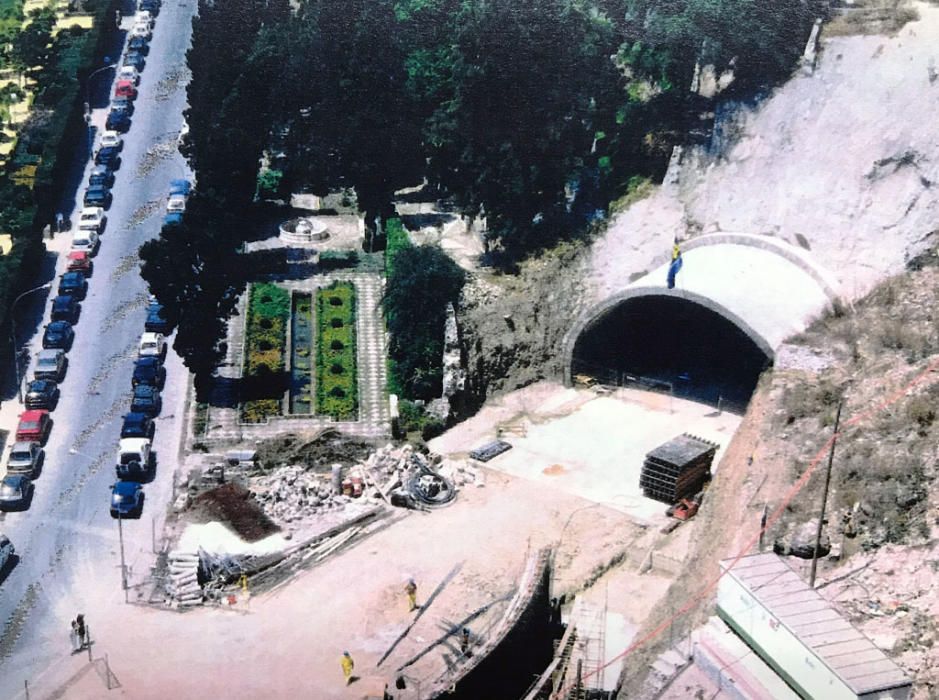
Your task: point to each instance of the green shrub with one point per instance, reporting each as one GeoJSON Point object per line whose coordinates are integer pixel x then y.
{"type": "Point", "coordinates": [397, 241]}
{"type": "Point", "coordinates": [264, 379]}
{"type": "Point", "coordinates": [338, 259]}
{"type": "Point", "coordinates": [336, 380]}
{"type": "Point", "coordinates": [422, 282]}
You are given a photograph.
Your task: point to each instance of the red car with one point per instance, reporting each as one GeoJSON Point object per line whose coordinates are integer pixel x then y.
{"type": "Point", "coordinates": [34, 426]}
{"type": "Point", "coordinates": [79, 260]}
{"type": "Point", "coordinates": [125, 88]}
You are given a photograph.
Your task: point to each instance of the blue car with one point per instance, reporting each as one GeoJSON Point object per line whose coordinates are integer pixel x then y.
{"type": "Point", "coordinates": [58, 335]}
{"type": "Point", "coordinates": [173, 218]}
{"type": "Point", "coordinates": [126, 499]}
{"type": "Point", "coordinates": [101, 174]}
{"type": "Point", "coordinates": [149, 371]}
{"type": "Point", "coordinates": [16, 492]}
{"type": "Point", "coordinates": [156, 321]}
{"type": "Point", "coordinates": [65, 308]}
{"type": "Point", "coordinates": [138, 425]}
{"type": "Point", "coordinates": [180, 186]}
{"type": "Point", "coordinates": [107, 156]}
{"type": "Point", "coordinates": [73, 284]}
{"type": "Point", "coordinates": [146, 400]}
{"type": "Point", "coordinates": [118, 121]}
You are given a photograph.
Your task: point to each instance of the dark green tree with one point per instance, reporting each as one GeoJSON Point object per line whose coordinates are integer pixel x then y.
{"type": "Point", "coordinates": [522, 96]}
{"type": "Point", "coordinates": [351, 122]}
{"type": "Point", "coordinates": [195, 271]}
{"type": "Point", "coordinates": [422, 282]}
{"type": "Point", "coordinates": [32, 47]}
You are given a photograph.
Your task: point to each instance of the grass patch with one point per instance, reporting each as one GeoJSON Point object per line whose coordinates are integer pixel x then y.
{"type": "Point", "coordinates": [265, 344]}
{"type": "Point", "coordinates": [637, 188]}
{"type": "Point", "coordinates": [200, 419]}
{"type": "Point", "coordinates": [336, 373]}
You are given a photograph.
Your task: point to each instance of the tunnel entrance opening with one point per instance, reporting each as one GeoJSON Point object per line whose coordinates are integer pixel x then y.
{"type": "Point", "coordinates": [675, 345]}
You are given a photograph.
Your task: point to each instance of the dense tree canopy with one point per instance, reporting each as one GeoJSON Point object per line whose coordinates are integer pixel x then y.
{"type": "Point", "coordinates": [535, 114]}
{"type": "Point", "coordinates": [421, 283]}
{"type": "Point", "coordinates": [350, 121]}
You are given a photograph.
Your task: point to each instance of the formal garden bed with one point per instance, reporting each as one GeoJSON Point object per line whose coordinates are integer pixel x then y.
{"type": "Point", "coordinates": [336, 379]}
{"type": "Point", "coordinates": [264, 378]}
{"type": "Point", "coordinates": [301, 354]}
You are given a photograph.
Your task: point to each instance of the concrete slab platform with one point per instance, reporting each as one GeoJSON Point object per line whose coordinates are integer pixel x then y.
{"type": "Point", "coordinates": [584, 443]}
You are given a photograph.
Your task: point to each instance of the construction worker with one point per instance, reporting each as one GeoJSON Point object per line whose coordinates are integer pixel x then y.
{"type": "Point", "coordinates": [73, 637]}
{"type": "Point", "coordinates": [82, 632]}
{"type": "Point", "coordinates": [411, 590]}
{"type": "Point", "coordinates": [465, 643]}
{"type": "Point", "coordinates": [347, 665]}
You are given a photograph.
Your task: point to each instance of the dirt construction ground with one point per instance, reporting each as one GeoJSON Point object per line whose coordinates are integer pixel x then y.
{"type": "Point", "coordinates": [353, 601]}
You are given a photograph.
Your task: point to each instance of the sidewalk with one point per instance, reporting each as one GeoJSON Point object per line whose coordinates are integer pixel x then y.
{"type": "Point", "coordinates": [11, 408]}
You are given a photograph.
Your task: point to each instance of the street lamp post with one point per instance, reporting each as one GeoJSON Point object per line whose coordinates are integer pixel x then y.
{"type": "Point", "coordinates": [16, 354]}
{"type": "Point", "coordinates": [120, 528]}
{"type": "Point", "coordinates": [93, 73]}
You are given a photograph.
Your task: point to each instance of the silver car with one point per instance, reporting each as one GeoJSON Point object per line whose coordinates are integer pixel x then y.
{"type": "Point", "coordinates": [6, 550]}
{"type": "Point", "coordinates": [24, 459]}
{"type": "Point", "coordinates": [50, 364]}
{"type": "Point", "coordinates": [16, 493]}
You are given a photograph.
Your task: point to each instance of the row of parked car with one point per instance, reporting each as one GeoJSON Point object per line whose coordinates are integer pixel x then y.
{"type": "Point", "coordinates": [26, 457]}
{"type": "Point", "coordinates": [136, 461]}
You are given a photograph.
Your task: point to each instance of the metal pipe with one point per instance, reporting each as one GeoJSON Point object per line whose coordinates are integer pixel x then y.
{"type": "Point", "coordinates": [821, 514]}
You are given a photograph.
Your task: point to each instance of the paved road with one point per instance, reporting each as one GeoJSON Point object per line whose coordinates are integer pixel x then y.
{"type": "Point", "coordinates": [67, 541]}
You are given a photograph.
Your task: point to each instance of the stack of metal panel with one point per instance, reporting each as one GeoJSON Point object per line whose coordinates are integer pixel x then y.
{"type": "Point", "coordinates": [678, 469]}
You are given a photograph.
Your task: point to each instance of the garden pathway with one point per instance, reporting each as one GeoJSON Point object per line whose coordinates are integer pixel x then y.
{"type": "Point", "coordinates": [224, 426]}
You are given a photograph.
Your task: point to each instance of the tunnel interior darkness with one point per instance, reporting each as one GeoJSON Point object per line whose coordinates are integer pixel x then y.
{"type": "Point", "coordinates": [666, 340]}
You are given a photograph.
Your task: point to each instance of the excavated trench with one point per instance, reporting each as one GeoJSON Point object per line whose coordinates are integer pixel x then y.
{"type": "Point", "coordinates": [673, 345]}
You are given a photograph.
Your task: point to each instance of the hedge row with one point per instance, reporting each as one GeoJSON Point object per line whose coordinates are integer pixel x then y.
{"type": "Point", "coordinates": [265, 345]}
{"type": "Point", "coordinates": [336, 378]}
{"type": "Point", "coordinates": [397, 241]}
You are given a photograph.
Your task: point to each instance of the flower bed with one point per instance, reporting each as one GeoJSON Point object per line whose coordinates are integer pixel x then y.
{"type": "Point", "coordinates": [336, 379]}
{"type": "Point", "coordinates": [265, 340]}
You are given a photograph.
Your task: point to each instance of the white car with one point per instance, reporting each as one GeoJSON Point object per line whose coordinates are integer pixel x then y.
{"type": "Point", "coordinates": [6, 550]}
{"type": "Point", "coordinates": [112, 138]}
{"type": "Point", "coordinates": [92, 219]}
{"type": "Point", "coordinates": [176, 202]}
{"type": "Point", "coordinates": [129, 73]}
{"type": "Point", "coordinates": [141, 29]}
{"type": "Point", "coordinates": [85, 241]}
{"type": "Point", "coordinates": [152, 345]}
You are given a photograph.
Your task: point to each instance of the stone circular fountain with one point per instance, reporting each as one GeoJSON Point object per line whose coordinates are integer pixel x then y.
{"type": "Point", "coordinates": [303, 231]}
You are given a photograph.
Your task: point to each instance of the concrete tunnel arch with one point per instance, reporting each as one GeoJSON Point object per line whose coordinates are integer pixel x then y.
{"type": "Point", "coordinates": [765, 288]}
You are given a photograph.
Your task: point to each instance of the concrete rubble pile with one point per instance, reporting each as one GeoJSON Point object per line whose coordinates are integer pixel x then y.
{"type": "Point", "coordinates": [396, 475]}
{"type": "Point", "coordinates": [183, 586]}
{"type": "Point", "coordinates": [292, 493]}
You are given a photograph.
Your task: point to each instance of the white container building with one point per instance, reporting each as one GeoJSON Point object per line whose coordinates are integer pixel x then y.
{"type": "Point", "coordinates": [798, 633]}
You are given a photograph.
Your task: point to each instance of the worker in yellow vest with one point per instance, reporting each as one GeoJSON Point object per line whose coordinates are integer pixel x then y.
{"type": "Point", "coordinates": [411, 590]}
{"type": "Point", "coordinates": [347, 665]}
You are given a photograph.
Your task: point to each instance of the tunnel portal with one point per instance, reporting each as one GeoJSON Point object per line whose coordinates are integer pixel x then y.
{"type": "Point", "coordinates": [672, 344]}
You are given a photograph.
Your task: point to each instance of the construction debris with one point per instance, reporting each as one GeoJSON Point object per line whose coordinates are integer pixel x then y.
{"type": "Point", "coordinates": [291, 493]}
{"type": "Point", "coordinates": [183, 587]}
{"type": "Point", "coordinates": [395, 475]}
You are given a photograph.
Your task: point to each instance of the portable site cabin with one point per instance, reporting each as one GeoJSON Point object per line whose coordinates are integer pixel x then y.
{"type": "Point", "coordinates": [798, 633]}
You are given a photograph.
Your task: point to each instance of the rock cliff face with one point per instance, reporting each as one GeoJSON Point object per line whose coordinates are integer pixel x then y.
{"type": "Point", "coordinates": [513, 327]}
